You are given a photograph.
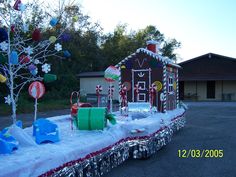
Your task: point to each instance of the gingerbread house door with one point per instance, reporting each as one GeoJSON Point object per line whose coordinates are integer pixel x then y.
{"type": "Point", "coordinates": [142, 78]}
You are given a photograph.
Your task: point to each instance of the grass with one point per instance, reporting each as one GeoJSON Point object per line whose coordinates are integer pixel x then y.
{"type": "Point", "coordinates": [27, 106]}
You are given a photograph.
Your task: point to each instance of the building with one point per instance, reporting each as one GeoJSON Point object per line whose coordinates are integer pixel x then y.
{"type": "Point", "coordinates": [142, 69]}
{"type": "Point", "coordinates": [209, 77]}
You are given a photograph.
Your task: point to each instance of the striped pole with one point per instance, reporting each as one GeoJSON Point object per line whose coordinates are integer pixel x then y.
{"type": "Point", "coordinates": [177, 88]}
{"type": "Point", "coordinates": [164, 87]}
{"type": "Point", "coordinates": [119, 89]}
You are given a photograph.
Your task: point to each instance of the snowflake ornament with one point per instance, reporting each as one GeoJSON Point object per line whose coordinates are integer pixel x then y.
{"type": "Point", "coordinates": [58, 47]}
{"type": "Point", "coordinates": [46, 68]}
{"type": "Point", "coordinates": [4, 46]}
{"type": "Point", "coordinates": [29, 50]}
{"type": "Point", "coordinates": [8, 99]}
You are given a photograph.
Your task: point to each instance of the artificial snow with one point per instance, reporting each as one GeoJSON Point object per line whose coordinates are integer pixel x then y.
{"type": "Point", "coordinates": [33, 160]}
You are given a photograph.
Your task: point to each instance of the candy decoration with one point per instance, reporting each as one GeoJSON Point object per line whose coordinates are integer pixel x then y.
{"type": "Point", "coordinates": [112, 74]}
{"type": "Point", "coordinates": [136, 89]}
{"type": "Point", "coordinates": [65, 37]}
{"type": "Point", "coordinates": [33, 69]}
{"type": "Point", "coordinates": [98, 90]}
{"type": "Point", "coordinates": [66, 54]}
{"type": "Point", "coordinates": [47, 78]}
{"type": "Point", "coordinates": [24, 59]}
{"type": "Point", "coordinates": [3, 79]}
{"type": "Point", "coordinates": [152, 90]}
{"type": "Point", "coordinates": [110, 95]}
{"type": "Point", "coordinates": [14, 58]}
{"type": "Point", "coordinates": [17, 5]}
{"type": "Point", "coordinates": [158, 85]}
{"type": "Point", "coordinates": [53, 22]}
{"type": "Point", "coordinates": [138, 130]}
{"type": "Point", "coordinates": [75, 18]}
{"type": "Point", "coordinates": [36, 90]}
{"type": "Point", "coordinates": [36, 35]}
{"type": "Point", "coordinates": [3, 35]}
{"type": "Point", "coordinates": [123, 94]}
{"type": "Point", "coordinates": [52, 39]}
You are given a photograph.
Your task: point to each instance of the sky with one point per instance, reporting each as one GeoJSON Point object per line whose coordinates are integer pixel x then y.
{"type": "Point", "coordinates": [202, 26]}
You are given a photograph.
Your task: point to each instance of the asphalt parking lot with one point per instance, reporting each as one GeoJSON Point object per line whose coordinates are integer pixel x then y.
{"type": "Point", "coordinates": [210, 126]}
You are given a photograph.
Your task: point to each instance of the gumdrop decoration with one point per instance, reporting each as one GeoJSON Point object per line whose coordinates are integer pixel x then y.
{"type": "Point", "coordinates": [58, 47]}
{"type": "Point", "coordinates": [46, 68]}
{"type": "Point", "coordinates": [3, 79]}
{"type": "Point", "coordinates": [75, 18]}
{"type": "Point", "coordinates": [17, 5]}
{"type": "Point", "coordinates": [12, 28]}
{"type": "Point", "coordinates": [3, 35]}
{"type": "Point", "coordinates": [24, 59]}
{"type": "Point", "coordinates": [47, 78]}
{"type": "Point", "coordinates": [65, 37]}
{"type": "Point", "coordinates": [33, 69]}
{"type": "Point", "coordinates": [14, 58]}
{"type": "Point", "coordinates": [66, 54]}
{"type": "Point", "coordinates": [53, 22]}
{"type": "Point", "coordinates": [52, 39]}
{"type": "Point", "coordinates": [36, 35]}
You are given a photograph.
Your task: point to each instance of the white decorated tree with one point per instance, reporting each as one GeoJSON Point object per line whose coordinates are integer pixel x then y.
{"type": "Point", "coordinates": [23, 49]}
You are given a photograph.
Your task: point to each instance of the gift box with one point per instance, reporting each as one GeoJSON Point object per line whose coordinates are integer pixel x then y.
{"type": "Point", "coordinates": [91, 118]}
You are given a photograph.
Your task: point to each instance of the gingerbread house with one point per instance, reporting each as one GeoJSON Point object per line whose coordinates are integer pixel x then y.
{"type": "Point", "coordinates": [146, 67]}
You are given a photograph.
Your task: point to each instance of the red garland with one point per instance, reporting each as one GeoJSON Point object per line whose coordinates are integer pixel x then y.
{"type": "Point", "coordinates": [88, 156]}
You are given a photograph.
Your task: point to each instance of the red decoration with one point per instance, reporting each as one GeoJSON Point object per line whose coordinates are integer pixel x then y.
{"type": "Point", "coordinates": [111, 91]}
{"type": "Point", "coordinates": [136, 89]}
{"type": "Point", "coordinates": [123, 94]}
{"type": "Point", "coordinates": [36, 35]}
{"type": "Point", "coordinates": [36, 90]}
{"type": "Point", "coordinates": [16, 5]}
{"type": "Point", "coordinates": [152, 90]}
{"type": "Point", "coordinates": [24, 59]}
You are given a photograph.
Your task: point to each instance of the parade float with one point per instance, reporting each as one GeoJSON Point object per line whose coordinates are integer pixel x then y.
{"type": "Point", "coordinates": [91, 140]}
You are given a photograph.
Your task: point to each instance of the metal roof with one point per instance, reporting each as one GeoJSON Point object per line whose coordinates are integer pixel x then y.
{"type": "Point", "coordinates": [208, 67]}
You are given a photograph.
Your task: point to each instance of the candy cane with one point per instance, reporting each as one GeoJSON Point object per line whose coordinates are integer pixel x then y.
{"type": "Point", "coordinates": [98, 90]}
{"type": "Point", "coordinates": [136, 90]}
{"type": "Point", "coordinates": [123, 94]}
{"type": "Point", "coordinates": [152, 90]}
{"type": "Point", "coordinates": [110, 94]}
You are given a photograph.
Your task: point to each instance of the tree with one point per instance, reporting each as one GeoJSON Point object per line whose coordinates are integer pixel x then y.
{"type": "Point", "coordinates": [121, 43]}
{"type": "Point", "coordinates": [23, 49]}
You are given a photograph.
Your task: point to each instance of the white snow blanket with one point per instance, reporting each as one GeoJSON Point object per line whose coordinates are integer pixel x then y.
{"type": "Point", "coordinates": [33, 160]}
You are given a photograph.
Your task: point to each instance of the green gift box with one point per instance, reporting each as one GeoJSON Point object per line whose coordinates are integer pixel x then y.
{"type": "Point", "coordinates": [91, 118]}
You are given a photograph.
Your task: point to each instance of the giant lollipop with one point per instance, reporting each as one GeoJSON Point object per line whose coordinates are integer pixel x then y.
{"type": "Point", "coordinates": [111, 75]}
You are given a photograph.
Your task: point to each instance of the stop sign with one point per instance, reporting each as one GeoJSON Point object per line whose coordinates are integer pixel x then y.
{"type": "Point", "coordinates": [36, 89]}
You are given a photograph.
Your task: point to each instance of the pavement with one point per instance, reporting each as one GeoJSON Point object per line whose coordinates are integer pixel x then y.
{"type": "Point", "coordinates": [210, 126]}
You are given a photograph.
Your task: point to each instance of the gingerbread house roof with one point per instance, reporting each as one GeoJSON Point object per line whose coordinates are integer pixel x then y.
{"type": "Point", "coordinates": [157, 56]}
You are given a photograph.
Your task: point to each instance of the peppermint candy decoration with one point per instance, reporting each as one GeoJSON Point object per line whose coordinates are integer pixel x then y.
{"type": "Point", "coordinates": [152, 89]}
{"type": "Point", "coordinates": [110, 91]}
{"type": "Point", "coordinates": [98, 89]}
{"type": "Point", "coordinates": [123, 90]}
{"type": "Point", "coordinates": [136, 89]}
